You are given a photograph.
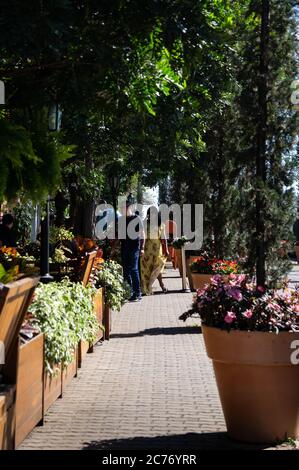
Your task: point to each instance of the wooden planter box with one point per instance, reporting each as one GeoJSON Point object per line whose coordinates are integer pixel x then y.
{"type": "Point", "coordinates": [69, 372]}
{"type": "Point", "coordinates": [29, 401]}
{"type": "Point", "coordinates": [52, 387]}
{"type": "Point", "coordinates": [83, 349]}
{"type": "Point", "coordinates": [3, 420]}
{"type": "Point", "coordinates": [7, 417]}
{"type": "Point", "coordinates": [99, 312]}
{"type": "Point", "coordinates": [15, 298]}
{"type": "Point", "coordinates": [107, 321]}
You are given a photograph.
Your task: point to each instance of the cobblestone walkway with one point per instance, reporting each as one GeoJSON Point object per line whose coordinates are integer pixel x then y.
{"type": "Point", "coordinates": [150, 386]}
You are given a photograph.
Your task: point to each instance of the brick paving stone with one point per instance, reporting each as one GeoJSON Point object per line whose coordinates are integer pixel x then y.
{"type": "Point", "coordinates": [150, 386]}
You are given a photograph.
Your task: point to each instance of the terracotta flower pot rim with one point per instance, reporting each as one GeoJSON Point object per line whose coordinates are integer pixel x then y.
{"type": "Point", "coordinates": [250, 347]}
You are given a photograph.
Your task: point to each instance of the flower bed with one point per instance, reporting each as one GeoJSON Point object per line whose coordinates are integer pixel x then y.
{"type": "Point", "coordinates": [205, 265]}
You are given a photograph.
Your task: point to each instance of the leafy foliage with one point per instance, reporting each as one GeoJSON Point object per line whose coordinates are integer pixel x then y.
{"type": "Point", "coordinates": [17, 154]}
{"type": "Point", "coordinates": [64, 313]}
{"type": "Point", "coordinates": [239, 305]}
{"type": "Point", "coordinates": [109, 275]}
{"type": "Point", "coordinates": [23, 213]}
{"type": "Point", "coordinates": [8, 275]}
{"type": "Point", "coordinates": [59, 235]}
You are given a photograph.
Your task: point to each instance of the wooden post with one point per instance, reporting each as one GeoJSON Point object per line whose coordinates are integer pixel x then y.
{"type": "Point", "coordinates": [185, 286]}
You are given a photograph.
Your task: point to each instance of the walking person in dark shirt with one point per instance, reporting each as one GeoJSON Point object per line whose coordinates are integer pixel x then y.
{"type": "Point", "coordinates": [7, 235]}
{"type": "Point", "coordinates": [130, 234]}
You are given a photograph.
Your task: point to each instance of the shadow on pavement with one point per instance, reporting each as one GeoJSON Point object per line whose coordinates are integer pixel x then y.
{"type": "Point", "coordinates": [170, 291]}
{"type": "Point", "coordinates": [204, 441]}
{"type": "Point", "coordinates": [177, 330]}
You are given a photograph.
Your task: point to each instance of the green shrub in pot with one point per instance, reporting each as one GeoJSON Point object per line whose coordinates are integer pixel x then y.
{"type": "Point", "coordinates": [178, 243]}
{"type": "Point", "coordinates": [110, 276]}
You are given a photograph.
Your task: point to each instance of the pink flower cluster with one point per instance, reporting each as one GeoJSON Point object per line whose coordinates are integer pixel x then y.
{"type": "Point", "coordinates": [237, 303]}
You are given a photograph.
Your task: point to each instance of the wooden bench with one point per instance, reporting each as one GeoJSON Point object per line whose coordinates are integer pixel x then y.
{"type": "Point", "coordinates": [15, 299]}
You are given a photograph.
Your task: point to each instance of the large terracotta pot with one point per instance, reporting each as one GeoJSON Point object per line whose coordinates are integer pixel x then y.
{"type": "Point", "coordinates": [189, 260]}
{"type": "Point", "coordinates": [257, 383]}
{"type": "Point", "coordinates": [198, 281]}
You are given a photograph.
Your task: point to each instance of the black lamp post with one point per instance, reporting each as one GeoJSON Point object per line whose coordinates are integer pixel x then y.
{"type": "Point", "coordinates": [45, 247]}
{"type": "Point", "coordinates": [54, 123]}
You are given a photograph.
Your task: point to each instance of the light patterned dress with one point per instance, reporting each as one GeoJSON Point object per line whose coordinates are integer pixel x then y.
{"type": "Point", "coordinates": [153, 261]}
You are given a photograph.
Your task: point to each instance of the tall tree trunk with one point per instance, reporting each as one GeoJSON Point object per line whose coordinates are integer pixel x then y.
{"type": "Point", "coordinates": [261, 144]}
{"type": "Point", "coordinates": [88, 211]}
{"type": "Point", "coordinates": [61, 204]}
{"type": "Point", "coordinates": [75, 212]}
{"type": "Point", "coordinates": [219, 221]}
{"type": "Point", "coordinates": [88, 203]}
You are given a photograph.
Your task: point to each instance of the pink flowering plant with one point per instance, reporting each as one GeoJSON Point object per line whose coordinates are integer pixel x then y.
{"type": "Point", "coordinates": [239, 305]}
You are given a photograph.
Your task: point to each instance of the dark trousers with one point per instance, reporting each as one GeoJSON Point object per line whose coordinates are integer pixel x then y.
{"type": "Point", "coordinates": [130, 263]}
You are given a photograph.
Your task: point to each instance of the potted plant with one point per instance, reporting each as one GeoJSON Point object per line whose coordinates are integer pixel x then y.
{"type": "Point", "coordinates": [64, 313]}
{"type": "Point", "coordinates": [177, 244]}
{"type": "Point", "coordinates": [250, 334]}
{"type": "Point", "coordinates": [109, 276]}
{"type": "Point", "coordinates": [203, 268]}
{"type": "Point", "coordinates": [13, 264]}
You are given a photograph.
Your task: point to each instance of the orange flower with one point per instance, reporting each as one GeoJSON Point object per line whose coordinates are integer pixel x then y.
{"type": "Point", "coordinates": [89, 244]}
{"type": "Point", "coordinates": [9, 251]}
{"type": "Point", "coordinates": [98, 262]}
